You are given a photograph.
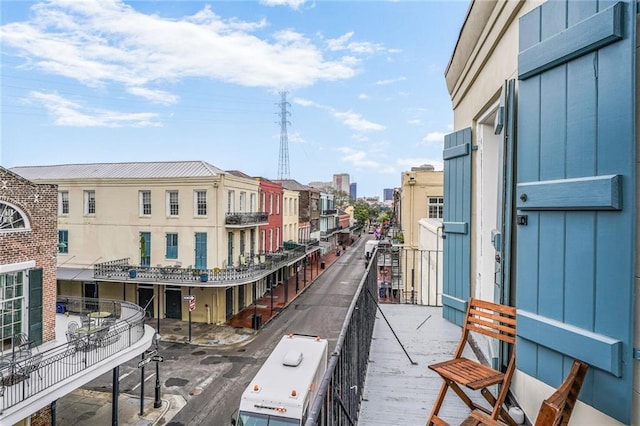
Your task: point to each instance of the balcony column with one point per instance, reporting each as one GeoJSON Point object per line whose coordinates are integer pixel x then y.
{"type": "Point", "coordinates": [114, 397]}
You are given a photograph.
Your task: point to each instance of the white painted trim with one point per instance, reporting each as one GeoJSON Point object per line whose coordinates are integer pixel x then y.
{"type": "Point", "coordinates": [21, 266]}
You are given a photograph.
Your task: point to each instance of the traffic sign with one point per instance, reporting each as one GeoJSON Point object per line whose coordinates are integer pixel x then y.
{"type": "Point", "coordinates": [189, 297]}
{"type": "Point", "coordinates": [192, 305]}
{"type": "Point", "coordinates": [150, 352]}
{"type": "Point", "coordinates": [157, 358]}
{"type": "Point", "coordinates": [144, 362]}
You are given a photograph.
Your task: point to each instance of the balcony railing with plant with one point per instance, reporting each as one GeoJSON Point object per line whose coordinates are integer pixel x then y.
{"type": "Point", "coordinates": [246, 219]}
{"type": "Point", "coordinates": [250, 268]}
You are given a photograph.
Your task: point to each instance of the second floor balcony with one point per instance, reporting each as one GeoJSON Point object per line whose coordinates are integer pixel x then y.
{"type": "Point", "coordinates": [32, 378]}
{"type": "Point", "coordinates": [243, 220]}
{"type": "Point", "coordinates": [330, 212]}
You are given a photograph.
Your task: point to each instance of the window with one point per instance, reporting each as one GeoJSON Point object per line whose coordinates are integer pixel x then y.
{"type": "Point", "coordinates": [200, 198]}
{"type": "Point", "coordinates": [145, 203]}
{"type": "Point", "coordinates": [230, 202]}
{"type": "Point", "coordinates": [243, 200]}
{"type": "Point", "coordinates": [242, 243]}
{"type": "Point", "coordinates": [173, 208]}
{"type": "Point", "coordinates": [278, 238]}
{"type": "Point", "coordinates": [252, 203]}
{"type": "Point", "coordinates": [263, 202]}
{"type": "Point", "coordinates": [11, 305]}
{"type": "Point", "coordinates": [277, 203]}
{"type": "Point", "coordinates": [172, 246]}
{"type": "Point", "coordinates": [63, 202]}
{"type": "Point", "coordinates": [89, 202]}
{"type": "Point", "coordinates": [270, 240]}
{"type": "Point", "coordinates": [436, 205]}
{"type": "Point", "coordinates": [11, 218]}
{"type": "Point", "coordinates": [63, 241]}
{"type": "Point", "coordinates": [270, 203]}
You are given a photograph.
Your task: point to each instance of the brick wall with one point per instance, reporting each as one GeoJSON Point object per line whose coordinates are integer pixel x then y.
{"type": "Point", "coordinates": [39, 203]}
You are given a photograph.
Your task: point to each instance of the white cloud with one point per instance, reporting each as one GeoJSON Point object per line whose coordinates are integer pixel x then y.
{"type": "Point", "coordinates": [351, 119]}
{"type": "Point", "coordinates": [293, 4]}
{"type": "Point", "coordinates": [68, 113]}
{"type": "Point", "coordinates": [107, 41]}
{"type": "Point", "coordinates": [157, 96]}
{"type": "Point", "coordinates": [390, 81]}
{"type": "Point", "coordinates": [343, 43]}
{"type": "Point", "coordinates": [414, 122]}
{"type": "Point", "coordinates": [363, 96]}
{"type": "Point", "coordinates": [433, 138]}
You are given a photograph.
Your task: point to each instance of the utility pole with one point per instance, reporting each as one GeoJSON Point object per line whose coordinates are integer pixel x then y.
{"type": "Point", "coordinates": [283, 160]}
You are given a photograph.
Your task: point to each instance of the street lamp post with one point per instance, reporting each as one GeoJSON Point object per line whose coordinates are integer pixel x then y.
{"type": "Point", "coordinates": [157, 403]}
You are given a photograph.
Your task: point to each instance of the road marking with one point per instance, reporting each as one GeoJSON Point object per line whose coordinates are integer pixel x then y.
{"type": "Point", "coordinates": [121, 378]}
{"type": "Point", "coordinates": [146, 378]}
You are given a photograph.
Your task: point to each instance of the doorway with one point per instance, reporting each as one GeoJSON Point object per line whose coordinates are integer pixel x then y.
{"type": "Point", "coordinates": [173, 302]}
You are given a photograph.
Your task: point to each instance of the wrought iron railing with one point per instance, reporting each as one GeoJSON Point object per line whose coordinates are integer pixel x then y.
{"type": "Point", "coordinates": [242, 219]}
{"type": "Point", "coordinates": [42, 371]}
{"type": "Point", "coordinates": [253, 269]}
{"type": "Point", "coordinates": [341, 388]}
{"type": "Point", "coordinates": [329, 231]}
{"type": "Point", "coordinates": [329, 212]}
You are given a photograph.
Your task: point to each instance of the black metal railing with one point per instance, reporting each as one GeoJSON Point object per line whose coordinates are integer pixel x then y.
{"type": "Point", "coordinates": [253, 268]}
{"type": "Point", "coordinates": [340, 391]}
{"type": "Point", "coordinates": [329, 231]}
{"type": "Point", "coordinates": [44, 371]}
{"type": "Point", "coordinates": [246, 219]}
{"type": "Point", "coordinates": [329, 212]}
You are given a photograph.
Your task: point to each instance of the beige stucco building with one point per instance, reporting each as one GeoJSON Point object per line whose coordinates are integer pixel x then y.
{"type": "Point", "coordinates": [161, 233]}
{"type": "Point", "coordinates": [421, 196]}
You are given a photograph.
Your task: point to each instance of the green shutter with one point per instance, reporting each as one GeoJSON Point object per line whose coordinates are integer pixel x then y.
{"type": "Point", "coordinates": [35, 306]}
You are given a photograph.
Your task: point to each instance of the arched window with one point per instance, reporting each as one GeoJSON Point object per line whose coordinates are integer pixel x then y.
{"type": "Point", "coordinates": [12, 218]}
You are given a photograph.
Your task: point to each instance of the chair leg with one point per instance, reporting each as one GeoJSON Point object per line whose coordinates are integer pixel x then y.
{"type": "Point", "coordinates": [501, 411]}
{"type": "Point", "coordinates": [438, 403]}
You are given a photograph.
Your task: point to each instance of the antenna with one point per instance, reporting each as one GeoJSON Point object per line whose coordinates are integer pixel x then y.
{"type": "Point", "coordinates": [283, 160]}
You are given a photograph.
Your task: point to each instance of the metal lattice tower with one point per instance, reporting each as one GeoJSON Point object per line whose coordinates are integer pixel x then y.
{"type": "Point", "coordinates": [283, 161]}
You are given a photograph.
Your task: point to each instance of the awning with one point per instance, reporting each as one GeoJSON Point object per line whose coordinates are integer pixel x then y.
{"type": "Point", "coordinates": [75, 274]}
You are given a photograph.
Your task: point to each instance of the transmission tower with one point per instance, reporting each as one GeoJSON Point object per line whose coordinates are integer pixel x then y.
{"type": "Point", "coordinates": [283, 161]}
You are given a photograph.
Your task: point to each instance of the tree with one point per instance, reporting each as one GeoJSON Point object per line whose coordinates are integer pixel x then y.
{"type": "Point", "coordinates": [361, 212]}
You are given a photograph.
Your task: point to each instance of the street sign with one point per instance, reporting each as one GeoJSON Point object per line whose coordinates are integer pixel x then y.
{"type": "Point", "coordinates": [157, 358]}
{"type": "Point", "coordinates": [189, 297]}
{"type": "Point", "coordinates": [192, 305]}
{"type": "Point", "coordinates": [144, 362]}
{"type": "Point", "coordinates": [150, 352]}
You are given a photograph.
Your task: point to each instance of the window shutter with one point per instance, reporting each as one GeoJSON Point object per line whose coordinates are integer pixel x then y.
{"type": "Point", "coordinates": [35, 306]}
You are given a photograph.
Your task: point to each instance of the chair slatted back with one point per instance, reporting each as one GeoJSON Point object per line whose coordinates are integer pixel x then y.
{"type": "Point", "coordinates": [491, 319]}
{"type": "Point", "coordinates": [556, 410]}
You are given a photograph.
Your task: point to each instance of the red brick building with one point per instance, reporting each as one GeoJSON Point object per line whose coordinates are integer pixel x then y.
{"type": "Point", "coordinates": [271, 203]}
{"type": "Point", "coordinates": [28, 252]}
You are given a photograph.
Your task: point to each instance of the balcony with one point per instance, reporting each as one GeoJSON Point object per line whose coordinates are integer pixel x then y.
{"type": "Point", "coordinates": [32, 378]}
{"type": "Point", "coordinates": [329, 232]}
{"type": "Point", "coordinates": [244, 220]}
{"type": "Point", "coordinates": [331, 212]}
{"type": "Point", "coordinates": [250, 270]}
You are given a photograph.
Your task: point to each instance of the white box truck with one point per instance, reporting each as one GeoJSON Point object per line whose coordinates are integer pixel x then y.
{"type": "Point", "coordinates": [283, 390]}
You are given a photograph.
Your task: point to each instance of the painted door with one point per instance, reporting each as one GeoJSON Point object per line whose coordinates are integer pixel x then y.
{"type": "Point", "coordinates": [575, 197]}
{"type": "Point", "coordinates": [502, 237]}
{"type": "Point", "coordinates": [90, 289]}
{"type": "Point", "coordinates": [457, 220]}
{"type": "Point", "coordinates": [145, 249]}
{"type": "Point", "coordinates": [201, 250]}
{"type": "Point", "coordinates": [229, 302]}
{"type": "Point", "coordinates": [173, 302]}
{"type": "Point", "coordinates": [145, 296]}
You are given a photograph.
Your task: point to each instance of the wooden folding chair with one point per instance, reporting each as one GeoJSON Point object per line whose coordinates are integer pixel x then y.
{"type": "Point", "coordinates": [555, 410]}
{"type": "Point", "coordinates": [495, 321]}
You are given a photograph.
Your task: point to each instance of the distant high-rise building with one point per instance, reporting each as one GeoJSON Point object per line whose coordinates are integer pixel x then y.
{"type": "Point", "coordinates": [353, 191]}
{"type": "Point", "coordinates": [388, 194]}
{"type": "Point", "coordinates": [341, 182]}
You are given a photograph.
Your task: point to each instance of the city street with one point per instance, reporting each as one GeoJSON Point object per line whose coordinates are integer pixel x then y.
{"type": "Point", "coordinates": [211, 379]}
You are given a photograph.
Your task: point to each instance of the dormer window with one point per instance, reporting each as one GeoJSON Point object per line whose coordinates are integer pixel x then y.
{"type": "Point", "coordinates": [11, 218]}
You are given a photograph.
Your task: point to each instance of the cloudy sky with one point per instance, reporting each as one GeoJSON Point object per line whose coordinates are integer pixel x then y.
{"type": "Point", "coordinates": [113, 81]}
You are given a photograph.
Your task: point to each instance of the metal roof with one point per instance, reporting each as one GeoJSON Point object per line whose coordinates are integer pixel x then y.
{"type": "Point", "coordinates": [137, 170]}
{"type": "Point", "coordinates": [292, 184]}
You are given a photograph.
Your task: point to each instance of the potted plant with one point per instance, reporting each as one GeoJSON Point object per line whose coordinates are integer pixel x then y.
{"type": "Point", "coordinates": [133, 273]}
{"type": "Point", "coordinates": [204, 277]}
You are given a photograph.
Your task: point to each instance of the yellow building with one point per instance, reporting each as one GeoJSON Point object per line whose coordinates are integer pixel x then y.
{"type": "Point", "coordinates": [162, 233]}
{"type": "Point", "coordinates": [421, 196]}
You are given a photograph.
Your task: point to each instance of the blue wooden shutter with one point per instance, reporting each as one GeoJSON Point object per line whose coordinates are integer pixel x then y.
{"type": "Point", "coordinates": [457, 218]}
{"type": "Point", "coordinates": [35, 306]}
{"type": "Point", "coordinates": [201, 250]}
{"type": "Point", "coordinates": [575, 197]}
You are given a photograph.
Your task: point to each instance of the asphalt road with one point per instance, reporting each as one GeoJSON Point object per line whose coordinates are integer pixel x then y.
{"type": "Point", "coordinates": [212, 380]}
